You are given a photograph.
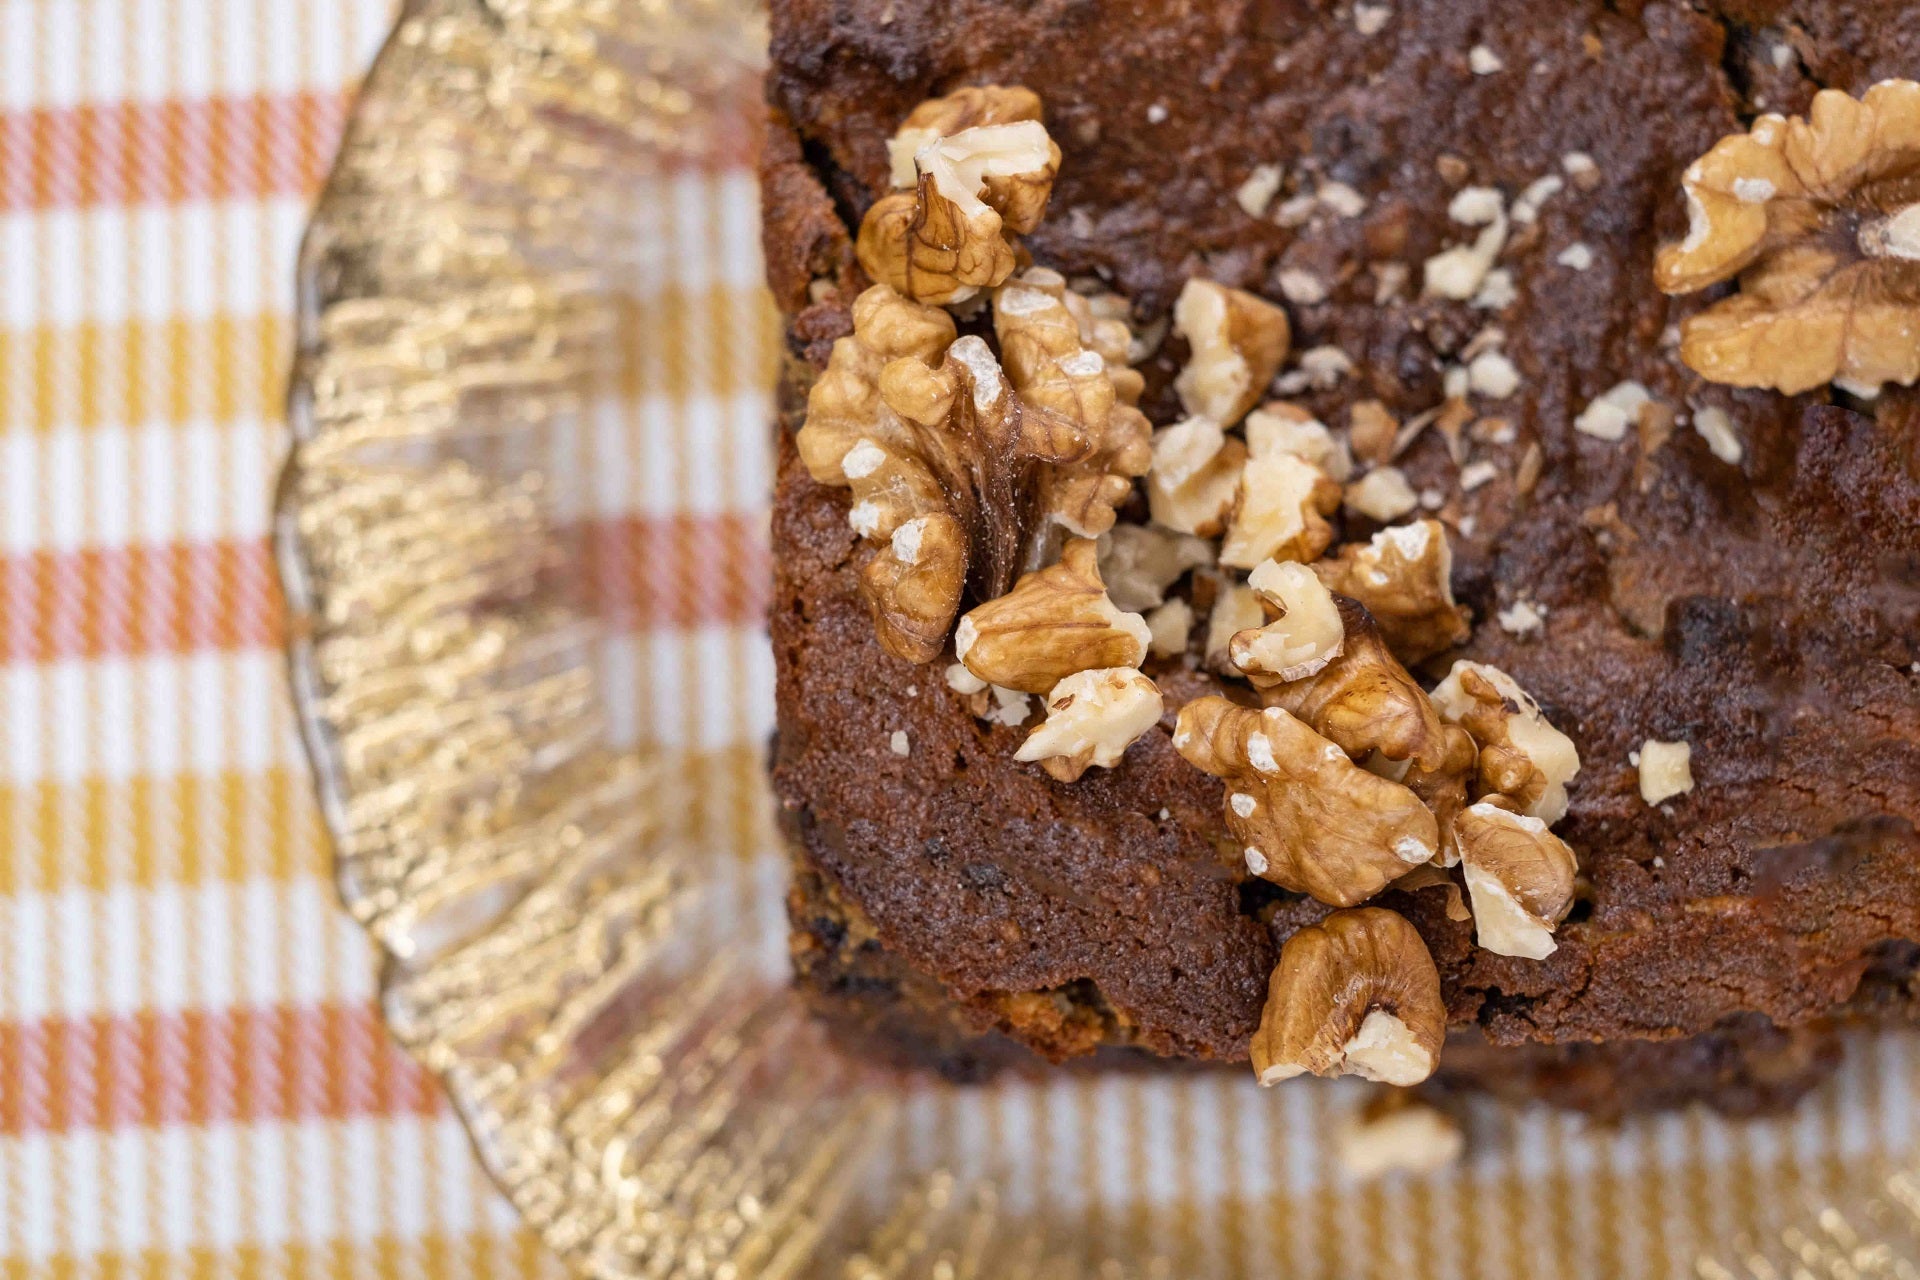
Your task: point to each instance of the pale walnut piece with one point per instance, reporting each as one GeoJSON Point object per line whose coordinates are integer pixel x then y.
{"type": "Point", "coordinates": [1194, 477]}
{"type": "Point", "coordinates": [1820, 220]}
{"type": "Point", "coordinates": [1356, 994]}
{"type": "Point", "coordinates": [1042, 347]}
{"type": "Point", "coordinates": [1666, 770]}
{"type": "Point", "coordinates": [1364, 700]}
{"type": "Point", "coordinates": [1406, 1137]}
{"type": "Point", "coordinates": [1404, 576]}
{"type": "Point", "coordinates": [1055, 622]}
{"type": "Point", "coordinates": [943, 117]}
{"type": "Point", "coordinates": [1092, 718]}
{"type": "Point", "coordinates": [1520, 877]}
{"type": "Point", "coordinates": [1238, 341]}
{"type": "Point", "coordinates": [1308, 818]}
{"type": "Point", "coordinates": [1280, 513]}
{"type": "Point", "coordinates": [1139, 562]}
{"type": "Point", "coordinates": [1522, 756]}
{"type": "Point", "coordinates": [1305, 636]}
{"type": "Point", "coordinates": [1280, 427]}
{"type": "Point", "coordinates": [946, 240]}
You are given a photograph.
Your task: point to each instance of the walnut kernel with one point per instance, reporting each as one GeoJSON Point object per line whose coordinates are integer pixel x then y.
{"type": "Point", "coordinates": [1238, 342]}
{"type": "Point", "coordinates": [1055, 622]}
{"type": "Point", "coordinates": [1092, 718]}
{"type": "Point", "coordinates": [1520, 877]}
{"type": "Point", "coordinates": [1404, 576]}
{"type": "Point", "coordinates": [1522, 756]}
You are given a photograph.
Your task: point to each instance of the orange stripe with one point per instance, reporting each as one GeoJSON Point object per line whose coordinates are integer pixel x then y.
{"type": "Point", "coordinates": [206, 1066]}
{"type": "Point", "coordinates": [168, 152]}
{"type": "Point", "coordinates": [638, 574]}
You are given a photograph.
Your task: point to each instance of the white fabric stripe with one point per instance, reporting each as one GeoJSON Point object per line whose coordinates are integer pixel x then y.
{"type": "Point", "coordinates": [657, 456]}
{"type": "Point", "coordinates": [703, 689]}
{"type": "Point", "coordinates": [65, 1211]}
{"type": "Point", "coordinates": [137, 940]}
{"type": "Point", "coordinates": [69, 490]}
{"type": "Point", "coordinates": [151, 263]}
{"type": "Point", "coordinates": [205, 713]}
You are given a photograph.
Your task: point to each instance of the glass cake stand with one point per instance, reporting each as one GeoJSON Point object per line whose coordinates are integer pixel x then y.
{"type": "Point", "coordinates": [522, 535]}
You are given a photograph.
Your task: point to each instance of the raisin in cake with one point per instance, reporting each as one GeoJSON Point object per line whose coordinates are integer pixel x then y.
{"type": "Point", "coordinates": [1583, 328]}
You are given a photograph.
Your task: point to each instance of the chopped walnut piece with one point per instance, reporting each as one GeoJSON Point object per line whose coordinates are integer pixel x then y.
{"type": "Point", "coordinates": [946, 240]}
{"type": "Point", "coordinates": [1519, 876]}
{"type": "Point", "coordinates": [1522, 756]}
{"type": "Point", "coordinates": [1194, 477]}
{"type": "Point", "coordinates": [1279, 427]}
{"type": "Point", "coordinates": [1666, 770]}
{"type": "Point", "coordinates": [1715, 426]}
{"type": "Point", "coordinates": [1170, 627]}
{"type": "Point", "coordinates": [1408, 1137]}
{"type": "Point", "coordinates": [1820, 220]}
{"type": "Point", "coordinates": [1372, 430]}
{"type": "Point", "coordinates": [1236, 608]}
{"type": "Point", "coordinates": [1356, 994]}
{"type": "Point", "coordinates": [1404, 576]}
{"type": "Point", "coordinates": [1281, 512]}
{"type": "Point", "coordinates": [1139, 562]}
{"type": "Point", "coordinates": [1238, 342]}
{"type": "Point", "coordinates": [1459, 272]}
{"type": "Point", "coordinates": [943, 117]}
{"type": "Point", "coordinates": [1055, 622]}
{"type": "Point", "coordinates": [1092, 718]}
{"type": "Point", "coordinates": [1363, 699]}
{"type": "Point", "coordinates": [1382, 494]}
{"type": "Point", "coordinates": [1310, 819]}
{"type": "Point", "coordinates": [1614, 412]}
{"type": "Point", "coordinates": [1041, 347]}
{"type": "Point", "coordinates": [1306, 635]}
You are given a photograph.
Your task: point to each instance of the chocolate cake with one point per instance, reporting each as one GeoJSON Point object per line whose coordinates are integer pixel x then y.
{"type": "Point", "coordinates": [1679, 492]}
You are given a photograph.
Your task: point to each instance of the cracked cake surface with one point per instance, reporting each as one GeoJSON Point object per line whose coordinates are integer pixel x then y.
{"type": "Point", "coordinates": [1739, 573]}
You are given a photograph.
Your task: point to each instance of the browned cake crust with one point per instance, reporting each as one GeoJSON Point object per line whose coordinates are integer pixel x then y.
{"type": "Point", "coordinates": [1767, 612]}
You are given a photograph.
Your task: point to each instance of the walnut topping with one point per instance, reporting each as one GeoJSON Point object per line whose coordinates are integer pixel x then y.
{"type": "Point", "coordinates": [1520, 877]}
{"type": "Point", "coordinates": [1404, 576]}
{"type": "Point", "coordinates": [1459, 272]}
{"type": "Point", "coordinates": [1236, 608]}
{"type": "Point", "coordinates": [962, 109]}
{"type": "Point", "coordinates": [1279, 427]}
{"type": "Point", "coordinates": [1092, 718]}
{"type": "Point", "coordinates": [1170, 626]}
{"type": "Point", "coordinates": [1615, 411]}
{"type": "Point", "coordinates": [1666, 770]}
{"type": "Point", "coordinates": [1443, 788]}
{"type": "Point", "coordinates": [1139, 562]}
{"type": "Point", "coordinates": [1312, 820]}
{"type": "Point", "coordinates": [1238, 342]}
{"type": "Point", "coordinates": [1042, 348]}
{"type": "Point", "coordinates": [1363, 699]}
{"type": "Point", "coordinates": [1281, 512]}
{"type": "Point", "coordinates": [1194, 477]}
{"type": "Point", "coordinates": [946, 240]}
{"type": "Point", "coordinates": [1382, 494]}
{"type": "Point", "coordinates": [1356, 994]}
{"type": "Point", "coordinates": [1408, 1137]}
{"type": "Point", "coordinates": [1820, 220]}
{"type": "Point", "coordinates": [1055, 622]}
{"type": "Point", "coordinates": [1305, 637]}
{"type": "Point", "coordinates": [1522, 756]}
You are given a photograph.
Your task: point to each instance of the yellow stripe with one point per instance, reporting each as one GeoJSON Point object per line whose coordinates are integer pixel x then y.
{"type": "Point", "coordinates": [337, 1259]}
{"type": "Point", "coordinates": [228, 368]}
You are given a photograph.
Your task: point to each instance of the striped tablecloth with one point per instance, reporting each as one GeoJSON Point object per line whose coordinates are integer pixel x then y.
{"type": "Point", "coordinates": [193, 1076]}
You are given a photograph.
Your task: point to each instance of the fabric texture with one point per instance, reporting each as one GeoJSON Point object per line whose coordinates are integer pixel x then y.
{"type": "Point", "coordinates": [193, 1074]}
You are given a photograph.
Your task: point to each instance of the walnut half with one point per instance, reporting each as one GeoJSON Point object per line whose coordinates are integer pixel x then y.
{"type": "Point", "coordinates": [1820, 220]}
{"type": "Point", "coordinates": [1055, 622]}
{"type": "Point", "coordinates": [1356, 994]}
{"type": "Point", "coordinates": [1092, 718]}
{"type": "Point", "coordinates": [1404, 576]}
{"type": "Point", "coordinates": [1520, 877]}
{"type": "Point", "coordinates": [1238, 342]}
{"type": "Point", "coordinates": [1308, 818]}
{"type": "Point", "coordinates": [946, 240]}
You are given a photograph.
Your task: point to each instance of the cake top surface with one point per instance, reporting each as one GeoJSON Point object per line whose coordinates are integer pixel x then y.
{"type": "Point", "coordinates": [1740, 574]}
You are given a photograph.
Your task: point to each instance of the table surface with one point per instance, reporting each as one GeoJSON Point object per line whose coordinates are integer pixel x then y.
{"type": "Point", "coordinates": [193, 1077]}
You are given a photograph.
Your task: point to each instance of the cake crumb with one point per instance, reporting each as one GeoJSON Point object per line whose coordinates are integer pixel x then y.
{"type": "Point", "coordinates": [1666, 769]}
{"type": "Point", "coordinates": [1484, 61]}
{"type": "Point", "coordinates": [898, 743]}
{"type": "Point", "coordinates": [1576, 255]}
{"type": "Point", "coordinates": [1257, 192]}
{"type": "Point", "coordinates": [1715, 426]}
{"type": "Point", "coordinates": [1522, 618]}
{"type": "Point", "coordinates": [1156, 114]}
{"type": "Point", "coordinates": [1371, 19]}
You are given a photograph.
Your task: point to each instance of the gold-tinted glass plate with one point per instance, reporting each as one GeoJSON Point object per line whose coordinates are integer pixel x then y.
{"type": "Point", "coordinates": [523, 538]}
